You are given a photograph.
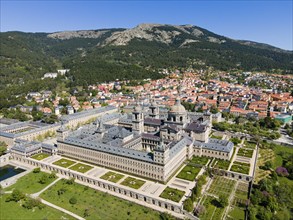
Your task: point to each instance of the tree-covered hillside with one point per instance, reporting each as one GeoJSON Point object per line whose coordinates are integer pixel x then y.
{"type": "Point", "coordinates": [130, 54]}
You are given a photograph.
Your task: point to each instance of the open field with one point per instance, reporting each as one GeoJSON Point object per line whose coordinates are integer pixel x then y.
{"type": "Point", "coordinates": [14, 211]}
{"type": "Point", "coordinates": [30, 182]}
{"type": "Point", "coordinates": [99, 205]}
{"type": "Point", "coordinates": [80, 167]}
{"type": "Point", "coordinates": [189, 172]}
{"type": "Point", "coordinates": [172, 194]}
{"type": "Point", "coordinates": [132, 182]}
{"type": "Point", "coordinates": [40, 156]}
{"type": "Point", "coordinates": [64, 163]}
{"type": "Point", "coordinates": [111, 176]}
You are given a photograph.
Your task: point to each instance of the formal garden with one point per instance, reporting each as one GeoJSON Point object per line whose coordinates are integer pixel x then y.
{"type": "Point", "coordinates": [250, 145]}
{"type": "Point", "coordinates": [112, 177]}
{"type": "Point", "coordinates": [93, 204]}
{"type": "Point", "coordinates": [33, 182]}
{"type": "Point", "coordinates": [189, 172]}
{"type": "Point", "coordinates": [80, 167]}
{"type": "Point", "coordinates": [64, 163]}
{"type": "Point", "coordinates": [40, 156]}
{"type": "Point", "coordinates": [172, 194]}
{"type": "Point", "coordinates": [221, 186]}
{"type": "Point", "coordinates": [240, 167]}
{"type": "Point", "coordinates": [199, 160]}
{"type": "Point", "coordinates": [132, 182]}
{"type": "Point", "coordinates": [221, 164]}
{"type": "Point", "coordinates": [245, 152]}
{"type": "Point", "coordinates": [239, 202]}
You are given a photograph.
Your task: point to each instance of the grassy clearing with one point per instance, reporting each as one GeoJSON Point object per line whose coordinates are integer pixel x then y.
{"type": "Point", "coordinates": [245, 152]}
{"type": "Point", "coordinates": [14, 211]}
{"type": "Point", "coordinates": [132, 182]}
{"type": "Point", "coordinates": [40, 156]}
{"type": "Point", "coordinates": [30, 183]}
{"type": "Point", "coordinates": [189, 172]}
{"type": "Point", "coordinates": [99, 205]}
{"type": "Point", "coordinates": [64, 163]}
{"type": "Point", "coordinates": [172, 194]}
{"type": "Point", "coordinates": [112, 177]}
{"type": "Point", "coordinates": [80, 167]}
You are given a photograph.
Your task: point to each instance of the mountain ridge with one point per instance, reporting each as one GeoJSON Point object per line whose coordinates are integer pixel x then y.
{"type": "Point", "coordinates": [133, 53]}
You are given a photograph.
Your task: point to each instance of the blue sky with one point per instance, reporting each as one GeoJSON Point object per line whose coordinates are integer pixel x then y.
{"type": "Point", "coordinates": [262, 21]}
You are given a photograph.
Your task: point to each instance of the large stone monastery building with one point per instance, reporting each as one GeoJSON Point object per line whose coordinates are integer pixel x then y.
{"type": "Point", "coordinates": [142, 142]}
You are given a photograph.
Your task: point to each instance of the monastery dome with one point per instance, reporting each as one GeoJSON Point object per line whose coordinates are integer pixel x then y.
{"type": "Point", "coordinates": [178, 108]}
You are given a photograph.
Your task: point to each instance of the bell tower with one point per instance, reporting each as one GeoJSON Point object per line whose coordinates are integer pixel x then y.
{"type": "Point", "coordinates": [137, 120]}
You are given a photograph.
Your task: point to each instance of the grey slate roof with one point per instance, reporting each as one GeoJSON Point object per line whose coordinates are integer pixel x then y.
{"type": "Point", "coordinates": [216, 144]}
{"type": "Point", "coordinates": [195, 127]}
{"type": "Point", "coordinates": [87, 112]}
{"type": "Point", "coordinates": [124, 152]}
{"type": "Point", "coordinates": [153, 121]}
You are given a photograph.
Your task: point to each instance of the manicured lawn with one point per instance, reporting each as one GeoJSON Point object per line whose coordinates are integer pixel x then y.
{"type": "Point", "coordinates": [41, 156]}
{"type": "Point", "coordinates": [100, 205]}
{"type": "Point", "coordinates": [80, 167]}
{"type": "Point", "coordinates": [30, 183]}
{"type": "Point", "coordinates": [113, 177]}
{"type": "Point", "coordinates": [132, 182]}
{"type": "Point", "coordinates": [245, 152]}
{"type": "Point", "coordinates": [240, 167]}
{"type": "Point", "coordinates": [199, 160]}
{"type": "Point", "coordinates": [64, 163]}
{"type": "Point", "coordinates": [222, 164]}
{"type": "Point", "coordinates": [172, 194]}
{"type": "Point", "coordinates": [189, 172]}
{"type": "Point", "coordinates": [213, 209]}
{"type": "Point", "coordinates": [13, 211]}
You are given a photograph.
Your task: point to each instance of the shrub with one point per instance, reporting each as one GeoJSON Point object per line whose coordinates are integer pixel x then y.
{"type": "Point", "coordinates": [15, 196]}
{"type": "Point", "coordinates": [188, 205]}
{"type": "Point", "coordinates": [43, 179]}
{"type": "Point", "coordinates": [52, 175]}
{"type": "Point", "coordinates": [70, 181]}
{"type": "Point", "coordinates": [37, 170]}
{"type": "Point", "coordinates": [200, 210]}
{"type": "Point", "coordinates": [73, 200]}
{"type": "Point", "coordinates": [282, 171]}
{"type": "Point", "coordinates": [223, 201]}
